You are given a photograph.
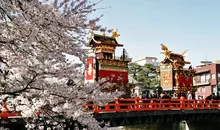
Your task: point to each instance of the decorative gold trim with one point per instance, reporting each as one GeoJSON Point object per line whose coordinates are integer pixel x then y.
{"type": "Point", "coordinates": [103, 33]}
{"type": "Point", "coordinates": [184, 53]}
{"type": "Point", "coordinates": [115, 34]}
{"type": "Point", "coordinates": [92, 37]}
{"type": "Point", "coordinates": [166, 51]}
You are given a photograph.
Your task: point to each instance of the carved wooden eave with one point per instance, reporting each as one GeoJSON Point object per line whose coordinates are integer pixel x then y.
{"type": "Point", "coordinates": [167, 61]}
{"type": "Point", "coordinates": [176, 60]}
{"type": "Point", "coordinates": [174, 56]}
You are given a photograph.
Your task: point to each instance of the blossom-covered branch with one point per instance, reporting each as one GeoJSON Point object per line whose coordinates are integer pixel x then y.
{"type": "Point", "coordinates": [36, 37]}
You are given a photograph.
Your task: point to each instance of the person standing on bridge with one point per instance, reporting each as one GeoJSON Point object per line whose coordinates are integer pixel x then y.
{"type": "Point", "coordinates": [189, 95]}
{"type": "Point", "coordinates": [210, 97]}
{"type": "Point", "coordinates": [175, 96]}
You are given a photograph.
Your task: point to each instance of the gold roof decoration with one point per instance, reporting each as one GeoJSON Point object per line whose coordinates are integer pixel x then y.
{"type": "Point", "coordinates": [97, 39]}
{"type": "Point", "coordinates": [184, 53]}
{"type": "Point", "coordinates": [166, 51]}
{"type": "Point", "coordinates": [103, 32]}
{"type": "Point", "coordinates": [92, 36]}
{"type": "Point", "coordinates": [91, 33]}
{"type": "Point", "coordinates": [177, 60]}
{"type": "Point", "coordinates": [115, 33]}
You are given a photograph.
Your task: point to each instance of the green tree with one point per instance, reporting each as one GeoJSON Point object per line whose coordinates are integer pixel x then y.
{"type": "Point", "coordinates": [148, 76]}
{"type": "Point", "coordinates": [134, 69]}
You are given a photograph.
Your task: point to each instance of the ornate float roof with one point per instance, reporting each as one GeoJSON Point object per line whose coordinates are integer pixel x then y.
{"type": "Point", "coordinates": [173, 57]}
{"type": "Point", "coordinates": [97, 39]}
{"type": "Point", "coordinates": [177, 60]}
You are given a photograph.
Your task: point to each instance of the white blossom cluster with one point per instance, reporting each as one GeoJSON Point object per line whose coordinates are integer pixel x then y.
{"type": "Point", "coordinates": [35, 37]}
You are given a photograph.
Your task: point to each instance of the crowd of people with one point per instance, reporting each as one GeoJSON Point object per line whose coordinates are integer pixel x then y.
{"type": "Point", "coordinates": [169, 95]}
{"type": "Point", "coordinates": [213, 97]}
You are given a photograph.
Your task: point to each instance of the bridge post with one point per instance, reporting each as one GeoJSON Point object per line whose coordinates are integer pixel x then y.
{"type": "Point", "coordinates": [194, 103]}
{"type": "Point", "coordinates": [154, 105]}
{"type": "Point", "coordinates": [136, 104]}
{"type": "Point", "coordinates": [96, 109]}
{"type": "Point", "coordinates": [117, 105]}
{"type": "Point", "coordinates": [182, 103]}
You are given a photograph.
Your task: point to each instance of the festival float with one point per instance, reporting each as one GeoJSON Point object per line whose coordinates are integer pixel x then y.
{"type": "Point", "coordinates": [173, 76]}
{"type": "Point", "coordinates": [103, 65]}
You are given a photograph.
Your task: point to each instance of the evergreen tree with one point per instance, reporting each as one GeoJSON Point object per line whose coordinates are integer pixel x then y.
{"type": "Point", "coordinates": [147, 74]}
{"type": "Point", "coordinates": [134, 69]}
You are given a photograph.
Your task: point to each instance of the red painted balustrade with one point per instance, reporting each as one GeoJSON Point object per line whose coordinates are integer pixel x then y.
{"type": "Point", "coordinates": [5, 113]}
{"type": "Point", "coordinates": [135, 104]}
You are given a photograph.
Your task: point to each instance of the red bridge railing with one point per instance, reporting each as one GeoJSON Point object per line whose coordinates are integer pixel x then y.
{"type": "Point", "coordinates": [5, 113]}
{"type": "Point", "coordinates": [135, 104]}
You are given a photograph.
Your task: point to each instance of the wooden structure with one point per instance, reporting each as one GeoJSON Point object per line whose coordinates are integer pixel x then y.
{"type": "Point", "coordinates": [134, 111]}
{"type": "Point", "coordinates": [138, 104]}
{"type": "Point", "coordinates": [104, 65]}
{"type": "Point", "coordinates": [173, 75]}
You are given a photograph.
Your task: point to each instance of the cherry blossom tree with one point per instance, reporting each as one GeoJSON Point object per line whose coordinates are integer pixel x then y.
{"type": "Point", "coordinates": [36, 36]}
